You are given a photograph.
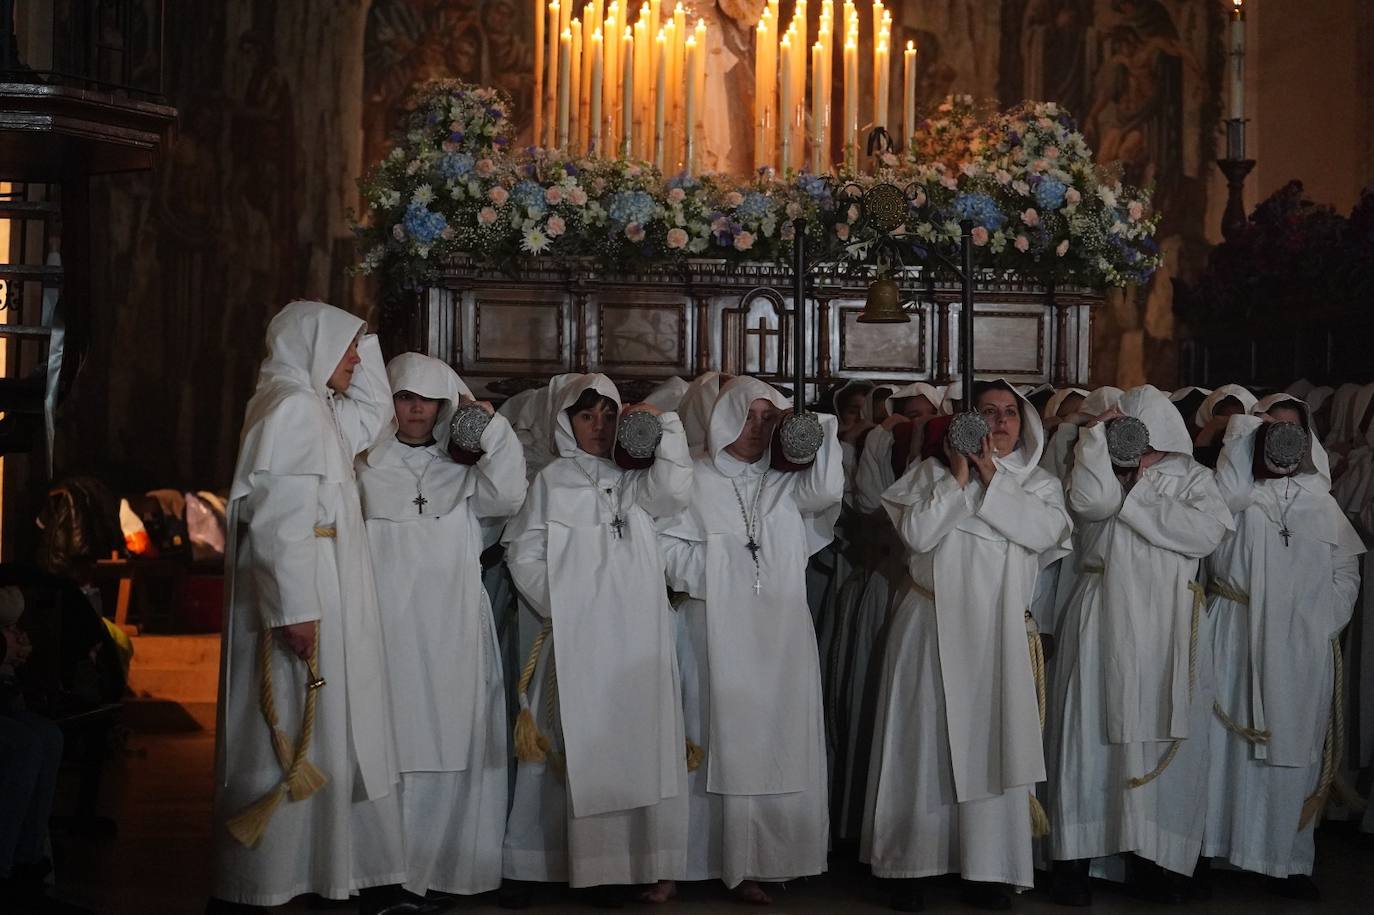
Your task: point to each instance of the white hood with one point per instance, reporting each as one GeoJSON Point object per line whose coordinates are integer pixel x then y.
{"type": "Point", "coordinates": [936, 396]}
{"type": "Point", "coordinates": [431, 378]}
{"type": "Point", "coordinates": [564, 390]}
{"type": "Point", "coordinates": [1317, 462]}
{"type": "Point", "coordinates": [695, 409]}
{"type": "Point", "coordinates": [1208, 408]}
{"type": "Point", "coordinates": [1057, 400]}
{"type": "Point", "coordinates": [1168, 432]}
{"type": "Point", "coordinates": [731, 409]}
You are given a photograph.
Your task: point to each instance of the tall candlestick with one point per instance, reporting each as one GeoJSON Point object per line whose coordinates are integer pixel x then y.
{"type": "Point", "coordinates": [882, 77]}
{"type": "Point", "coordinates": [628, 115]}
{"type": "Point", "coordinates": [564, 87]}
{"type": "Point", "coordinates": [660, 96]}
{"type": "Point", "coordinates": [851, 101]}
{"type": "Point", "coordinates": [908, 95]}
{"type": "Point", "coordinates": [785, 83]}
{"type": "Point", "coordinates": [699, 79]}
{"type": "Point", "coordinates": [763, 89]}
{"type": "Point", "coordinates": [817, 107]}
{"type": "Point", "coordinates": [644, 121]}
{"type": "Point", "coordinates": [537, 130]}
{"type": "Point", "coordinates": [610, 86]}
{"type": "Point", "coordinates": [594, 96]}
{"type": "Point", "coordinates": [576, 117]}
{"type": "Point", "coordinates": [550, 100]}
{"type": "Point", "coordinates": [1237, 81]}
{"type": "Point", "coordinates": [690, 106]}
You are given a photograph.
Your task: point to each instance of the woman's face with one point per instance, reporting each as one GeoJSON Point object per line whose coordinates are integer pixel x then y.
{"type": "Point", "coordinates": [1069, 406]}
{"type": "Point", "coordinates": [342, 376]}
{"type": "Point", "coordinates": [415, 416]}
{"type": "Point", "coordinates": [916, 407]}
{"type": "Point", "coordinates": [851, 411]}
{"type": "Point", "coordinates": [757, 433]}
{"type": "Point", "coordinates": [1002, 412]}
{"type": "Point", "coordinates": [594, 429]}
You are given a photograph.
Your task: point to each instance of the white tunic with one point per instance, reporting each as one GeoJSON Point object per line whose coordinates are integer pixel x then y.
{"type": "Point", "coordinates": [957, 746]}
{"type": "Point", "coordinates": [767, 817]}
{"type": "Point", "coordinates": [1124, 687]}
{"type": "Point", "coordinates": [294, 479]}
{"type": "Point", "coordinates": [443, 661]}
{"type": "Point", "coordinates": [615, 716]}
{"type": "Point", "coordinates": [1270, 637]}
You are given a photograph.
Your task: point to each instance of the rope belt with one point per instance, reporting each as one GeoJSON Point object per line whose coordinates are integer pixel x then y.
{"type": "Point", "coordinates": [329, 533]}
{"type": "Point", "coordinates": [1328, 784]}
{"type": "Point", "coordinates": [1040, 820]}
{"type": "Point", "coordinates": [1226, 591]}
{"type": "Point", "coordinates": [301, 778]}
{"type": "Point", "coordinates": [927, 593]}
{"type": "Point", "coordinates": [1091, 569]}
{"type": "Point", "coordinates": [1199, 597]}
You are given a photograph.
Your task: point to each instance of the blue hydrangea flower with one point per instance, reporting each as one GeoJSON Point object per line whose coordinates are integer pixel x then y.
{"type": "Point", "coordinates": [455, 165]}
{"type": "Point", "coordinates": [980, 209]}
{"type": "Point", "coordinates": [754, 207]}
{"type": "Point", "coordinates": [814, 185]}
{"type": "Point", "coordinates": [682, 180]}
{"type": "Point", "coordinates": [1049, 193]}
{"type": "Point", "coordinates": [529, 195]}
{"type": "Point", "coordinates": [625, 207]}
{"type": "Point", "coordinates": [422, 224]}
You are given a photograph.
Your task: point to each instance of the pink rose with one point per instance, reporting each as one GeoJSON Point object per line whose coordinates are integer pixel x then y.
{"type": "Point", "coordinates": [1062, 248]}
{"type": "Point", "coordinates": [577, 197]}
{"type": "Point", "coordinates": [853, 213]}
{"type": "Point", "coordinates": [794, 210]}
{"type": "Point", "coordinates": [1022, 243]}
{"type": "Point", "coordinates": [484, 168]}
{"type": "Point", "coordinates": [1031, 217]}
{"type": "Point", "coordinates": [1072, 197]}
{"type": "Point", "coordinates": [677, 239]}
{"type": "Point", "coordinates": [1040, 165]}
{"type": "Point", "coordinates": [553, 196]}
{"type": "Point", "coordinates": [949, 182]}
{"type": "Point", "coordinates": [448, 146]}
{"type": "Point", "coordinates": [677, 195]}
{"type": "Point", "coordinates": [486, 216]}
{"type": "Point", "coordinates": [498, 195]}
{"type": "Point", "coordinates": [1135, 210]}
{"type": "Point", "coordinates": [598, 185]}
{"type": "Point", "coordinates": [1051, 152]}
{"type": "Point", "coordinates": [455, 126]}
{"type": "Point", "coordinates": [634, 232]}
{"type": "Point", "coordinates": [842, 231]}
{"type": "Point", "coordinates": [446, 232]}
{"type": "Point", "coordinates": [734, 199]}
{"type": "Point", "coordinates": [555, 226]}
{"type": "Point", "coordinates": [980, 236]}
{"type": "Point", "coordinates": [920, 199]}
{"type": "Point", "coordinates": [744, 241]}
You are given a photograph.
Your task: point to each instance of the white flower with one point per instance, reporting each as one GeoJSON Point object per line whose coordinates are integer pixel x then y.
{"type": "Point", "coordinates": [424, 195]}
{"type": "Point", "coordinates": [1021, 188]}
{"type": "Point", "coordinates": [391, 199]}
{"type": "Point", "coordinates": [413, 167]}
{"type": "Point", "coordinates": [1135, 210]}
{"type": "Point", "coordinates": [794, 210]}
{"type": "Point", "coordinates": [1106, 195]}
{"type": "Point", "coordinates": [970, 169]}
{"type": "Point", "coordinates": [950, 182]}
{"type": "Point", "coordinates": [534, 241]}
{"type": "Point", "coordinates": [1003, 177]}
{"type": "Point", "coordinates": [734, 199]}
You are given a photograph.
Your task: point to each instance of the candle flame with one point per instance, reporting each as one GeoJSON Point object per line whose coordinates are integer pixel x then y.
{"type": "Point", "coordinates": [911, 46]}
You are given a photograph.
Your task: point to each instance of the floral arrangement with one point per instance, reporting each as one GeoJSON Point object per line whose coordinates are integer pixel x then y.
{"type": "Point", "coordinates": [1293, 261]}
{"type": "Point", "coordinates": [1025, 179]}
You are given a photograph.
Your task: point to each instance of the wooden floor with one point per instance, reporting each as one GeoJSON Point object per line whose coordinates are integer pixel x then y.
{"type": "Point", "coordinates": [159, 865]}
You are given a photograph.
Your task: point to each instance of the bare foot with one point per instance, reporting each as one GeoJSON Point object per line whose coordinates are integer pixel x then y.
{"type": "Point", "coordinates": [749, 891]}
{"type": "Point", "coordinates": [661, 893]}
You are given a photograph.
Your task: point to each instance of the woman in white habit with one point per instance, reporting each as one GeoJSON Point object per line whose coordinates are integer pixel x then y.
{"type": "Point", "coordinates": [740, 552]}
{"type": "Point", "coordinates": [1131, 700]}
{"type": "Point", "coordinates": [602, 801]}
{"type": "Point", "coordinates": [957, 747]}
{"type": "Point", "coordinates": [300, 587]}
{"type": "Point", "coordinates": [1282, 587]}
{"type": "Point", "coordinates": [428, 519]}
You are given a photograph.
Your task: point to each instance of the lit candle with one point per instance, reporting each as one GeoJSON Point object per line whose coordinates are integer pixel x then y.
{"type": "Point", "coordinates": [690, 105]}
{"type": "Point", "coordinates": [1237, 107]}
{"type": "Point", "coordinates": [610, 94]}
{"type": "Point", "coordinates": [699, 78]}
{"type": "Point", "coordinates": [817, 107]}
{"type": "Point", "coordinates": [660, 93]}
{"type": "Point", "coordinates": [594, 96]}
{"type": "Point", "coordinates": [908, 95]}
{"type": "Point", "coordinates": [584, 81]}
{"type": "Point", "coordinates": [882, 78]}
{"type": "Point", "coordinates": [628, 114]}
{"type": "Point", "coordinates": [643, 90]}
{"type": "Point", "coordinates": [575, 116]}
{"type": "Point", "coordinates": [763, 91]}
{"type": "Point", "coordinates": [785, 102]}
{"type": "Point", "coordinates": [564, 86]}
{"type": "Point", "coordinates": [550, 100]}
{"type": "Point", "coordinates": [851, 100]}
{"type": "Point", "coordinates": [537, 131]}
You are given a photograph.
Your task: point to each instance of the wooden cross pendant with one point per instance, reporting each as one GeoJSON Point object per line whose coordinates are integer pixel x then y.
{"type": "Point", "coordinates": [618, 525]}
{"type": "Point", "coordinates": [1285, 533]}
{"type": "Point", "coordinates": [419, 502]}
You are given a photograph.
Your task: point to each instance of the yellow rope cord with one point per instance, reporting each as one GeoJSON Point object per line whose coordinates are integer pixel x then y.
{"type": "Point", "coordinates": [1328, 783]}
{"type": "Point", "coordinates": [1219, 587]}
{"type": "Point", "coordinates": [329, 533]}
{"type": "Point", "coordinates": [1198, 597]}
{"type": "Point", "coordinates": [528, 740]}
{"type": "Point", "coordinates": [1040, 820]}
{"type": "Point", "coordinates": [695, 756]}
{"type": "Point", "coordinates": [301, 778]}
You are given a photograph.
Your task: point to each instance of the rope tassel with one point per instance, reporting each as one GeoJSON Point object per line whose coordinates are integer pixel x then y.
{"type": "Point", "coordinates": [1328, 784]}
{"type": "Point", "coordinates": [301, 778]}
{"type": "Point", "coordinates": [1040, 820]}
{"type": "Point", "coordinates": [1199, 598]}
{"type": "Point", "coordinates": [530, 745]}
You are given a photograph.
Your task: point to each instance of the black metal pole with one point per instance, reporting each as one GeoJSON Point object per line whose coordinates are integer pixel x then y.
{"type": "Point", "coordinates": [799, 314]}
{"type": "Point", "coordinates": [966, 314]}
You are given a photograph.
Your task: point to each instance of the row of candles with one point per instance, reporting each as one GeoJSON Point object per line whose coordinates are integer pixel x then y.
{"type": "Point", "coordinates": [604, 86]}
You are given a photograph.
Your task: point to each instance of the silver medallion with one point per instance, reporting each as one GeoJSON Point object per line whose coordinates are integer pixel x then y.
{"type": "Point", "coordinates": [800, 436]}
{"type": "Point", "coordinates": [967, 432]}
{"type": "Point", "coordinates": [639, 434]}
{"type": "Point", "coordinates": [1286, 444]}
{"type": "Point", "coordinates": [466, 428]}
{"type": "Point", "coordinates": [1127, 440]}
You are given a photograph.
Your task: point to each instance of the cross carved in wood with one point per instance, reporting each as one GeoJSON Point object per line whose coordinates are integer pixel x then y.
{"type": "Point", "coordinates": [762, 330]}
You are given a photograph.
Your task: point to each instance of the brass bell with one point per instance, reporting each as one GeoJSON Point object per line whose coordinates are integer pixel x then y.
{"type": "Point", "coordinates": [884, 304]}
